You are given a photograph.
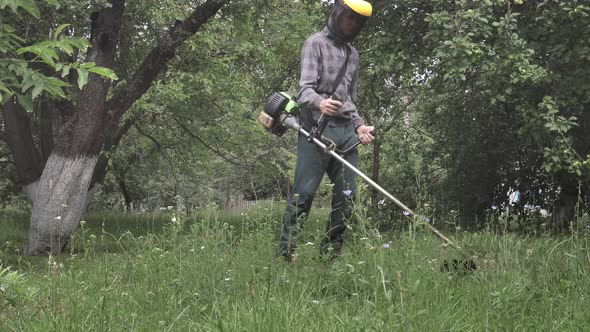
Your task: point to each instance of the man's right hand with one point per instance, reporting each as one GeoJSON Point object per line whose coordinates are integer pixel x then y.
{"type": "Point", "coordinates": [330, 107]}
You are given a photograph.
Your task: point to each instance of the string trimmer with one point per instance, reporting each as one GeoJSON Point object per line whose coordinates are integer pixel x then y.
{"type": "Point", "coordinates": [279, 115]}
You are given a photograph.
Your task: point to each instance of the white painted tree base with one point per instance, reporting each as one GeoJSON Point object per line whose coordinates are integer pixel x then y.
{"type": "Point", "coordinates": [31, 191]}
{"type": "Point", "coordinates": [59, 203]}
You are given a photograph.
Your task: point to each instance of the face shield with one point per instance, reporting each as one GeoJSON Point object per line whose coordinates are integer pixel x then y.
{"type": "Point", "coordinates": [348, 18]}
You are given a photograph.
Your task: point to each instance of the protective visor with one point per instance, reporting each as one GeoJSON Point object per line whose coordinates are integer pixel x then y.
{"type": "Point", "coordinates": [348, 18]}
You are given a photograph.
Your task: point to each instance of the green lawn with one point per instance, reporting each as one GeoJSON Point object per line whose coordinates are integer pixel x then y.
{"type": "Point", "coordinates": [216, 271]}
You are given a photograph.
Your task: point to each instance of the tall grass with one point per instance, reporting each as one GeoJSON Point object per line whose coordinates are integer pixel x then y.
{"type": "Point", "coordinates": [216, 271]}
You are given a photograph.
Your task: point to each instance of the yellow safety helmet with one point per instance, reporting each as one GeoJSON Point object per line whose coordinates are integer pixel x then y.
{"type": "Point", "coordinates": [348, 18]}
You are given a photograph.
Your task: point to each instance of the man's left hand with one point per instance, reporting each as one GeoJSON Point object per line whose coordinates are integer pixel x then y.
{"type": "Point", "coordinates": [364, 134]}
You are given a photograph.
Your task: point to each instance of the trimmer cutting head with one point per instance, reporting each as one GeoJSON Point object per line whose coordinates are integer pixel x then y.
{"type": "Point", "coordinates": [459, 265]}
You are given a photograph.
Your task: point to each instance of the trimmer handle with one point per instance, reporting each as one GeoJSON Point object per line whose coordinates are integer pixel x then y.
{"type": "Point", "coordinates": [322, 122]}
{"type": "Point", "coordinates": [374, 133]}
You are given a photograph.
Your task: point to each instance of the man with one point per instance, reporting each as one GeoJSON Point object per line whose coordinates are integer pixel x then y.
{"type": "Point", "coordinates": [323, 56]}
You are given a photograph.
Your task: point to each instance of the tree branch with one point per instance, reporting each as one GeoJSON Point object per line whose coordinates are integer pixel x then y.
{"type": "Point", "coordinates": [200, 140]}
{"type": "Point", "coordinates": [153, 63]}
{"type": "Point", "coordinates": [112, 140]}
{"type": "Point", "coordinates": [86, 133]}
{"type": "Point", "coordinates": [20, 141]}
{"type": "Point", "coordinates": [46, 114]}
{"type": "Point", "coordinates": [160, 147]}
{"type": "Point", "coordinates": [404, 108]}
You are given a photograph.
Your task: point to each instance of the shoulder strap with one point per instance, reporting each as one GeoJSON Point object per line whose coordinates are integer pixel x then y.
{"type": "Point", "coordinates": [342, 71]}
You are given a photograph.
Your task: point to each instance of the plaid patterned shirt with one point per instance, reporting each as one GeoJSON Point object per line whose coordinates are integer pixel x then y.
{"type": "Point", "coordinates": [322, 58]}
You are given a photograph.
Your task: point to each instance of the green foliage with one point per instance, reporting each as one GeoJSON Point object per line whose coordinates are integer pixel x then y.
{"type": "Point", "coordinates": [22, 69]}
{"type": "Point", "coordinates": [27, 5]}
{"type": "Point", "coordinates": [13, 289]}
{"type": "Point", "coordinates": [216, 270]}
{"type": "Point", "coordinates": [491, 84]}
{"type": "Point", "coordinates": [560, 155]}
{"type": "Point", "coordinates": [196, 135]}
{"type": "Point", "coordinates": [471, 99]}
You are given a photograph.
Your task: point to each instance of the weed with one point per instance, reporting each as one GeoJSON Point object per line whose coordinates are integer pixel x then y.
{"type": "Point", "coordinates": [215, 270]}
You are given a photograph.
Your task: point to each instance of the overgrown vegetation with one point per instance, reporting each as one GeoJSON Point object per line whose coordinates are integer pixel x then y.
{"type": "Point", "coordinates": [216, 270]}
{"type": "Point", "coordinates": [474, 102]}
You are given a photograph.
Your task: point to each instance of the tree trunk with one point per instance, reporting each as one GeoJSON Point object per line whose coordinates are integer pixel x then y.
{"type": "Point", "coordinates": [60, 203]}
{"type": "Point", "coordinates": [227, 193]}
{"type": "Point", "coordinates": [286, 186]}
{"type": "Point", "coordinates": [564, 212]}
{"type": "Point", "coordinates": [20, 141]}
{"type": "Point", "coordinates": [31, 190]}
{"type": "Point", "coordinates": [62, 193]}
{"type": "Point", "coordinates": [46, 115]}
{"type": "Point", "coordinates": [126, 194]}
{"type": "Point", "coordinates": [63, 187]}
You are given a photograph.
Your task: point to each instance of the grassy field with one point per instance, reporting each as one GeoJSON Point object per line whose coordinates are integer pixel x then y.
{"type": "Point", "coordinates": [215, 271]}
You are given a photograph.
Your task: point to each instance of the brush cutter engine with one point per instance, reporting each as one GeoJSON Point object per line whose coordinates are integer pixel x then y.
{"type": "Point", "coordinates": [280, 113]}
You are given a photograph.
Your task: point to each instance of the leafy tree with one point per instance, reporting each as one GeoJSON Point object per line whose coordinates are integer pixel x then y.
{"type": "Point", "coordinates": [91, 121]}
{"type": "Point", "coordinates": [491, 83]}
{"type": "Point", "coordinates": [202, 119]}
